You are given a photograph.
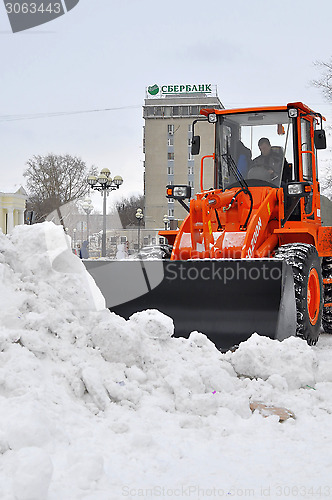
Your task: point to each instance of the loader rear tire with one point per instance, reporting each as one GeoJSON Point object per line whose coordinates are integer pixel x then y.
{"type": "Point", "coordinates": [308, 283]}
{"type": "Point", "coordinates": [327, 310]}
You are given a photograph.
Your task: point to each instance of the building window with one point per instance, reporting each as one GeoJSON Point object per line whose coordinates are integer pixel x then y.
{"type": "Point", "coordinates": [170, 155]}
{"type": "Point", "coordinates": [161, 241]}
{"type": "Point", "coordinates": [146, 240]}
{"type": "Point", "coordinates": [153, 241]}
{"type": "Point", "coordinates": [170, 129]}
{"type": "Point", "coordinates": [171, 212]}
{"type": "Point", "coordinates": [194, 110]}
{"type": "Point", "coordinates": [113, 240]}
{"type": "Point", "coordinates": [176, 110]}
{"type": "Point", "coordinates": [123, 239]}
{"type": "Point", "coordinates": [170, 141]}
{"type": "Point", "coordinates": [170, 170]}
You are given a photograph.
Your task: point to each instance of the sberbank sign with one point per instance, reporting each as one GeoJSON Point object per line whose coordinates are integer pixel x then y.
{"type": "Point", "coordinates": [180, 89]}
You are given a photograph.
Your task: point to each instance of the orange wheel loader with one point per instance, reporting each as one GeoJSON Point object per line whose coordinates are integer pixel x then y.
{"type": "Point", "coordinates": [254, 253]}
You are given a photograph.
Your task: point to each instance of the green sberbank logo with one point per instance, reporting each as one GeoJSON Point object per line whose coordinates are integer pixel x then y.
{"type": "Point", "coordinates": [153, 89]}
{"type": "Point", "coordinates": [180, 89]}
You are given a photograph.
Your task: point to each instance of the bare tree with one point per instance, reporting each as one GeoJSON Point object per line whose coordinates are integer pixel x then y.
{"type": "Point", "coordinates": [326, 182]}
{"type": "Point", "coordinates": [324, 83]}
{"type": "Point", "coordinates": [127, 208]}
{"type": "Point", "coordinates": [54, 180]}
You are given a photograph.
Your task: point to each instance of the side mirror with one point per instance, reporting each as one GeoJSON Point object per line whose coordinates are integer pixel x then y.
{"type": "Point", "coordinates": [320, 139]}
{"type": "Point", "coordinates": [195, 145]}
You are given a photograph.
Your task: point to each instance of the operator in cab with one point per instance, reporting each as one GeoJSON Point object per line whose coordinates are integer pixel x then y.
{"type": "Point", "coordinates": [268, 165]}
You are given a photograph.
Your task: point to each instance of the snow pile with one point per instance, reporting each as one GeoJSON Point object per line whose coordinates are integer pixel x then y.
{"type": "Point", "coordinates": [96, 407]}
{"type": "Point", "coordinates": [261, 357]}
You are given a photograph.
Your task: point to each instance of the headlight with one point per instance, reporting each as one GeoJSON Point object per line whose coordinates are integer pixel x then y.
{"type": "Point", "coordinates": [178, 192]}
{"type": "Point", "coordinates": [295, 189]}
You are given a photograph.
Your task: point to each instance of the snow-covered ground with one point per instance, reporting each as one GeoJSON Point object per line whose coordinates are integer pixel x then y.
{"type": "Point", "coordinates": [95, 407]}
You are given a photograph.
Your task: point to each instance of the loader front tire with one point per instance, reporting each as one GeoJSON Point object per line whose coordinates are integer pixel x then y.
{"type": "Point", "coordinates": [327, 311]}
{"type": "Point", "coordinates": [308, 283]}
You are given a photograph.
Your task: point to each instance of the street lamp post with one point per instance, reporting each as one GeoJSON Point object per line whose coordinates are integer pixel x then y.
{"type": "Point", "coordinates": [104, 184]}
{"type": "Point", "coordinates": [166, 221]}
{"type": "Point", "coordinates": [74, 238]}
{"type": "Point", "coordinates": [87, 207]}
{"type": "Point", "coordinates": [139, 216]}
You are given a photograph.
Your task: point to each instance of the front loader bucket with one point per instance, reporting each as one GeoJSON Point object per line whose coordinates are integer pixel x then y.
{"type": "Point", "coordinates": [227, 300]}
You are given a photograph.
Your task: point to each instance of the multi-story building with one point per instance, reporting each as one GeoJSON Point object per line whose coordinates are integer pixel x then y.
{"type": "Point", "coordinates": [169, 112]}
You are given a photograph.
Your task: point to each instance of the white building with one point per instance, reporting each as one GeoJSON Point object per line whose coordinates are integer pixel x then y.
{"type": "Point", "coordinates": [12, 208]}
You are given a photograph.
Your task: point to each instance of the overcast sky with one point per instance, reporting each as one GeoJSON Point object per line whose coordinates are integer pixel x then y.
{"type": "Point", "coordinates": [103, 53]}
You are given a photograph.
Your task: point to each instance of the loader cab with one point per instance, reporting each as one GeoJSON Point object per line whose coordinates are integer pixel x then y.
{"type": "Point", "coordinates": [274, 146]}
{"type": "Point", "coordinates": [259, 144]}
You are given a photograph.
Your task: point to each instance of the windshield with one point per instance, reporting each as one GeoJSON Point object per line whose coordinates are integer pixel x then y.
{"type": "Point", "coordinates": [258, 145]}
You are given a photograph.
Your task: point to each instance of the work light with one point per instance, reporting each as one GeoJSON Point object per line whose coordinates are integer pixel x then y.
{"type": "Point", "coordinates": [212, 118]}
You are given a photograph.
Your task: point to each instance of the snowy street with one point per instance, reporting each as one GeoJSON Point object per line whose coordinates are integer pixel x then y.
{"type": "Point", "coordinates": [95, 407]}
